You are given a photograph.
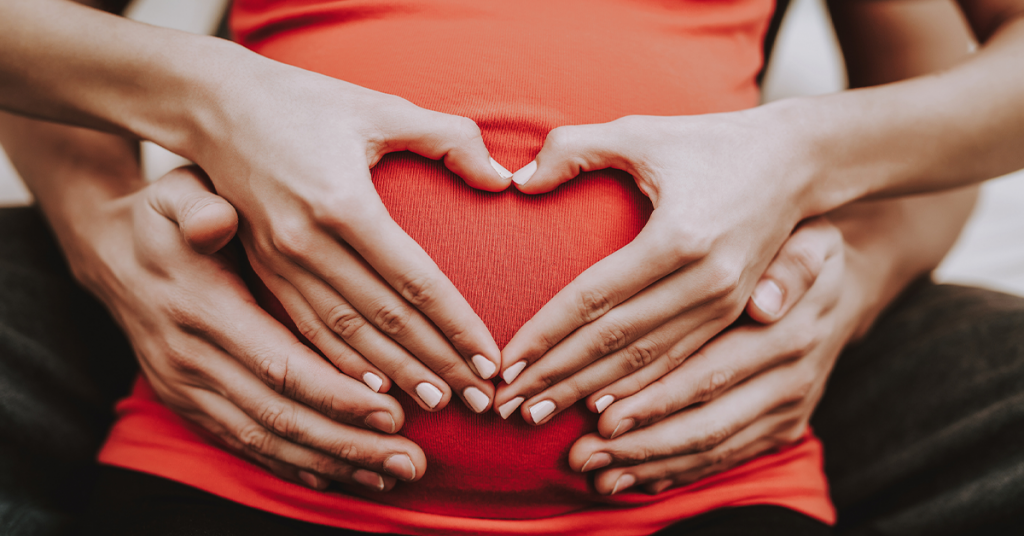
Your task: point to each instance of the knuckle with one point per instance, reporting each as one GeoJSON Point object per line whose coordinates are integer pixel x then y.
{"type": "Point", "coordinates": [291, 239]}
{"type": "Point", "coordinates": [466, 128]}
{"type": "Point", "coordinates": [593, 303]}
{"type": "Point", "coordinates": [345, 321]}
{"type": "Point", "coordinates": [725, 278]}
{"type": "Point", "coordinates": [685, 245]}
{"type": "Point", "coordinates": [612, 338]}
{"type": "Point", "coordinates": [310, 329]}
{"type": "Point", "coordinates": [711, 386]}
{"type": "Point", "coordinates": [640, 354]}
{"type": "Point", "coordinates": [419, 290]}
{"type": "Point", "coordinates": [560, 139]}
{"type": "Point", "coordinates": [255, 438]}
{"type": "Point", "coordinates": [278, 418]}
{"type": "Point", "coordinates": [273, 371]}
{"type": "Point", "coordinates": [806, 261]}
{"type": "Point", "coordinates": [392, 318]}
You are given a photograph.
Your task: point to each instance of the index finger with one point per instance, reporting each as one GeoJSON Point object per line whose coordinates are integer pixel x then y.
{"type": "Point", "coordinates": [652, 255]}
{"type": "Point", "coordinates": [410, 271]}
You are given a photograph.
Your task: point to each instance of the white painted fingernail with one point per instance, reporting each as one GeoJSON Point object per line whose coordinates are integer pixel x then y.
{"type": "Point", "coordinates": [525, 173]}
{"type": "Point", "coordinates": [504, 173]}
{"type": "Point", "coordinates": [429, 394]}
{"type": "Point", "coordinates": [768, 297]}
{"type": "Point", "coordinates": [369, 479]}
{"type": "Point", "coordinates": [507, 408]}
{"type": "Point", "coordinates": [310, 480]}
{"type": "Point", "coordinates": [603, 403]}
{"type": "Point", "coordinates": [484, 367]}
{"type": "Point", "coordinates": [373, 381]}
{"type": "Point", "coordinates": [476, 398]}
{"type": "Point", "coordinates": [541, 410]}
{"type": "Point", "coordinates": [512, 372]}
{"type": "Point", "coordinates": [622, 483]}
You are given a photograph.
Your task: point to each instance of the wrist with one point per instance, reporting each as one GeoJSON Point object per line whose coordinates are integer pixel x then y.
{"type": "Point", "coordinates": [806, 134]}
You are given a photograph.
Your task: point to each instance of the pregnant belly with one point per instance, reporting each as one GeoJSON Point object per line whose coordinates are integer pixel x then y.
{"type": "Point", "coordinates": [508, 254]}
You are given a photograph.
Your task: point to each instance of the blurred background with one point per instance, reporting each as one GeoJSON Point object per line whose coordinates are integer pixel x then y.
{"type": "Point", "coordinates": [806, 61]}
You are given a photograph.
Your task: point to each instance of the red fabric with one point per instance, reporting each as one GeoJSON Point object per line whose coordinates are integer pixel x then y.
{"type": "Point", "coordinates": [519, 69]}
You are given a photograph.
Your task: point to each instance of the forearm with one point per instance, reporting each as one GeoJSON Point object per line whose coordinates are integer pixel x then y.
{"type": "Point", "coordinates": [74, 64]}
{"type": "Point", "coordinates": [73, 173]}
{"type": "Point", "coordinates": [892, 242]}
{"type": "Point", "coordinates": [937, 131]}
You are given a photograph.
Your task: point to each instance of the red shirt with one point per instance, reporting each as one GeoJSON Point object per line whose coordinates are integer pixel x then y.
{"type": "Point", "coordinates": [518, 69]}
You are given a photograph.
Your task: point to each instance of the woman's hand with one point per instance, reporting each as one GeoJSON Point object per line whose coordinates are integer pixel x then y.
{"type": "Point", "coordinates": [212, 355]}
{"type": "Point", "coordinates": [293, 156]}
{"type": "Point", "coordinates": [726, 195]}
{"type": "Point", "coordinates": [750, 390]}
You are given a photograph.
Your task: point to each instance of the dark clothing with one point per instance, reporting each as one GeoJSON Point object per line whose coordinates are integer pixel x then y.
{"type": "Point", "coordinates": [923, 421]}
{"type": "Point", "coordinates": [140, 504]}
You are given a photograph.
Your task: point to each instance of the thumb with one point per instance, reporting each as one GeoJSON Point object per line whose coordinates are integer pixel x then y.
{"type": "Point", "coordinates": [206, 220]}
{"type": "Point", "coordinates": [570, 150]}
{"type": "Point", "coordinates": [794, 269]}
{"type": "Point", "coordinates": [453, 138]}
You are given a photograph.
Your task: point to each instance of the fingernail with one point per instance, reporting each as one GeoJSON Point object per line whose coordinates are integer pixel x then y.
{"type": "Point", "coordinates": [512, 372]}
{"type": "Point", "coordinates": [596, 460]}
{"type": "Point", "coordinates": [768, 297]}
{"type": "Point", "coordinates": [310, 480]}
{"type": "Point", "coordinates": [624, 426]}
{"type": "Point", "coordinates": [507, 408]}
{"type": "Point", "coordinates": [603, 403]}
{"type": "Point", "coordinates": [541, 410]}
{"type": "Point", "coordinates": [373, 381]}
{"type": "Point", "coordinates": [401, 467]}
{"type": "Point", "coordinates": [525, 173]}
{"type": "Point", "coordinates": [429, 394]}
{"type": "Point", "coordinates": [504, 173]}
{"type": "Point", "coordinates": [484, 367]}
{"type": "Point", "coordinates": [381, 420]}
{"type": "Point", "coordinates": [476, 398]}
{"type": "Point", "coordinates": [660, 486]}
{"type": "Point", "coordinates": [624, 481]}
{"type": "Point", "coordinates": [369, 479]}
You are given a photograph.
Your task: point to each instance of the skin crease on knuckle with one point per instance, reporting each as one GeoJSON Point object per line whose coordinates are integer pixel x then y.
{"type": "Point", "coordinates": [273, 371]}
{"type": "Point", "coordinates": [279, 418]}
{"type": "Point", "coordinates": [392, 318]}
{"type": "Point", "coordinates": [345, 321]}
{"type": "Point", "coordinates": [255, 438]}
{"type": "Point", "coordinates": [593, 303]}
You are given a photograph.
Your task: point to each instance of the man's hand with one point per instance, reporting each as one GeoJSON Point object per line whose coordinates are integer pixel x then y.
{"type": "Point", "coordinates": [204, 344]}
{"type": "Point", "coordinates": [750, 390]}
{"type": "Point", "coordinates": [718, 220]}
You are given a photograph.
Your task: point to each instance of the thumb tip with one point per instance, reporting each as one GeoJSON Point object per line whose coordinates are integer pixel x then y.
{"type": "Point", "coordinates": [210, 228]}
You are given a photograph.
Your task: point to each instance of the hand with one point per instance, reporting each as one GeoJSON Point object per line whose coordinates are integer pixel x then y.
{"type": "Point", "coordinates": [200, 337]}
{"type": "Point", "coordinates": [293, 157]}
{"type": "Point", "coordinates": [724, 202]}
{"type": "Point", "coordinates": [749, 391]}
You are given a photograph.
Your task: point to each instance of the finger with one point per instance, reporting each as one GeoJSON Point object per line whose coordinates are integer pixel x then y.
{"type": "Point", "coordinates": [720, 365]}
{"type": "Point", "coordinates": [453, 138]}
{"type": "Point", "coordinates": [651, 256]}
{"type": "Point", "coordinates": [206, 220]}
{"type": "Point", "coordinates": [409, 373]}
{"type": "Point", "coordinates": [626, 326]}
{"type": "Point", "coordinates": [283, 457]}
{"type": "Point", "coordinates": [768, 432]}
{"type": "Point", "coordinates": [655, 354]}
{"type": "Point", "coordinates": [570, 150]}
{"type": "Point", "coordinates": [271, 353]}
{"type": "Point", "coordinates": [281, 416]}
{"type": "Point", "coordinates": [464, 354]}
{"type": "Point", "coordinates": [794, 269]}
{"type": "Point", "coordinates": [696, 430]}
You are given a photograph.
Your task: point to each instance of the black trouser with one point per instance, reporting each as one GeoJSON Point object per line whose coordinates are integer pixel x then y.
{"type": "Point", "coordinates": [923, 422]}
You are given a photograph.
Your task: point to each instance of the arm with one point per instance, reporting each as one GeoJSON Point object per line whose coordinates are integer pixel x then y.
{"type": "Point", "coordinates": [191, 320]}
{"type": "Point", "coordinates": [760, 384]}
{"type": "Point", "coordinates": [313, 227]}
{"type": "Point", "coordinates": [728, 188]}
